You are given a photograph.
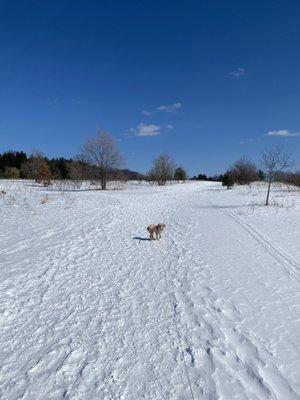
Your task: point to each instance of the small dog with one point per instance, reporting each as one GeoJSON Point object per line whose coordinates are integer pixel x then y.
{"type": "Point", "coordinates": [155, 229]}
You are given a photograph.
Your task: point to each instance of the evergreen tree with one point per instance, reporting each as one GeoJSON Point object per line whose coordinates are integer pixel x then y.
{"type": "Point", "coordinates": [12, 159]}
{"type": "Point", "coordinates": [227, 180]}
{"type": "Point", "coordinates": [59, 167]}
{"type": "Point", "coordinates": [180, 174]}
{"type": "Point", "coordinates": [261, 175]}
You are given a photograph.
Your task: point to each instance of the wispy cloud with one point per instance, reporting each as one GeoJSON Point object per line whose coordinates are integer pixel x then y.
{"type": "Point", "coordinates": [237, 73]}
{"type": "Point", "coordinates": [53, 102]}
{"type": "Point", "coordinates": [170, 126]}
{"type": "Point", "coordinates": [249, 141]}
{"type": "Point", "coordinates": [169, 108]}
{"type": "Point", "coordinates": [283, 133]}
{"type": "Point", "coordinates": [146, 130]}
{"type": "Point", "coordinates": [145, 112]}
{"type": "Point", "coordinates": [172, 108]}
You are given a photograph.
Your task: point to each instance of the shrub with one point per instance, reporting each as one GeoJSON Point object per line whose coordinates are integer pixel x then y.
{"type": "Point", "coordinates": [11, 173]}
{"type": "Point", "coordinates": [291, 178]}
{"type": "Point", "coordinates": [45, 177]}
{"type": "Point", "coordinates": [244, 172]}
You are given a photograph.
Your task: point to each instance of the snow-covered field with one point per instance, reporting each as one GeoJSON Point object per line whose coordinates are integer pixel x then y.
{"type": "Point", "coordinates": [91, 309]}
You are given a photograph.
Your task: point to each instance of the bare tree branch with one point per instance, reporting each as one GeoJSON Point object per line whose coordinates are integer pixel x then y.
{"type": "Point", "coordinates": [274, 161]}
{"type": "Point", "coordinates": [102, 152]}
{"type": "Point", "coordinates": [162, 170]}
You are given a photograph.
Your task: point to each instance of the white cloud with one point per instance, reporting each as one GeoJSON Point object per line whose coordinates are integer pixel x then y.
{"type": "Point", "coordinates": [170, 126]}
{"type": "Point", "coordinates": [283, 133]}
{"type": "Point", "coordinates": [238, 72]}
{"type": "Point", "coordinates": [170, 108]}
{"type": "Point", "coordinates": [145, 112]}
{"type": "Point", "coordinates": [249, 141]}
{"type": "Point", "coordinates": [146, 130]}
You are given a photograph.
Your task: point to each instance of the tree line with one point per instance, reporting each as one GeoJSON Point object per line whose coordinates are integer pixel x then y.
{"type": "Point", "coordinates": [274, 165]}
{"type": "Point", "coordinates": [101, 161]}
{"type": "Point", "coordinates": [89, 165]}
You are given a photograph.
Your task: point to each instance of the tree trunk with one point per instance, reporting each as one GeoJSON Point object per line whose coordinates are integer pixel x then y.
{"type": "Point", "coordinates": [103, 179]}
{"type": "Point", "coordinates": [269, 187]}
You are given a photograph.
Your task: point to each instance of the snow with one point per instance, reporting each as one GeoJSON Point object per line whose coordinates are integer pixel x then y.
{"type": "Point", "coordinates": [90, 309]}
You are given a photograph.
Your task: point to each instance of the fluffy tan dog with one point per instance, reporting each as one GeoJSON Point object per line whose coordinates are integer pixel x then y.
{"type": "Point", "coordinates": [155, 231]}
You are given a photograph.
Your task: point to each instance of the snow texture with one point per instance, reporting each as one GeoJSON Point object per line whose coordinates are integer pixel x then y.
{"type": "Point", "coordinates": [91, 309]}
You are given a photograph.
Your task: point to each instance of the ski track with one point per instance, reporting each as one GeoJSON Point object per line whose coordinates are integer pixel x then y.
{"type": "Point", "coordinates": [291, 265]}
{"type": "Point", "coordinates": [92, 310]}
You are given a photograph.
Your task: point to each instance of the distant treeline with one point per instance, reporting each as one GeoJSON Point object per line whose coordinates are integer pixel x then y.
{"type": "Point", "coordinates": [203, 177]}
{"type": "Point", "coordinates": [244, 172]}
{"type": "Point", "coordinates": [18, 164]}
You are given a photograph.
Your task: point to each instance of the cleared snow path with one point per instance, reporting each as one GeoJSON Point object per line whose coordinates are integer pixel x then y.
{"type": "Point", "coordinates": [90, 309]}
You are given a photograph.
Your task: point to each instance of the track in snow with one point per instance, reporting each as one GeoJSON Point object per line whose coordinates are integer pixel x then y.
{"type": "Point", "coordinates": [92, 310]}
{"type": "Point", "coordinates": [290, 264]}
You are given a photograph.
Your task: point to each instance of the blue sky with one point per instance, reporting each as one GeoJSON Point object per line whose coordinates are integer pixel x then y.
{"type": "Point", "coordinates": [205, 81]}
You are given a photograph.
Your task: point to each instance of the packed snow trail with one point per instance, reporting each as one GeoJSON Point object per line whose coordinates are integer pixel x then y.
{"type": "Point", "coordinates": [91, 309]}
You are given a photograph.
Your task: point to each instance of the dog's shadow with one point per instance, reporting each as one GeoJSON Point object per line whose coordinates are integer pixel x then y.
{"type": "Point", "coordinates": [140, 238]}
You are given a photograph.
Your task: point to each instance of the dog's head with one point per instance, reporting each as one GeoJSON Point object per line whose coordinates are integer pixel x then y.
{"type": "Point", "coordinates": [161, 227]}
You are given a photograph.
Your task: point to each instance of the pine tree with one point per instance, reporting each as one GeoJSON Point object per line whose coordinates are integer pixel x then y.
{"type": "Point", "coordinates": [180, 174]}
{"type": "Point", "coordinates": [227, 180]}
{"type": "Point", "coordinates": [261, 175]}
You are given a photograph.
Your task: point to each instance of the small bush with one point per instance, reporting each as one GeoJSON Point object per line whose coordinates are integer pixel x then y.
{"type": "Point", "coordinates": [227, 180]}
{"type": "Point", "coordinates": [44, 177]}
{"type": "Point", "coordinates": [11, 173]}
{"type": "Point", "coordinates": [244, 172]}
{"type": "Point", "coordinates": [291, 178]}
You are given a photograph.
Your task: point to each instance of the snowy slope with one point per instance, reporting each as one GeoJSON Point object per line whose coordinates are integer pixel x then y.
{"type": "Point", "coordinates": [90, 309]}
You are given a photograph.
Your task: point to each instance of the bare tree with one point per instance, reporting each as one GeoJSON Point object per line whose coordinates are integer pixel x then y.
{"type": "Point", "coordinates": [274, 161]}
{"type": "Point", "coordinates": [162, 170]}
{"type": "Point", "coordinates": [31, 168]}
{"type": "Point", "coordinates": [244, 172]}
{"type": "Point", "coordinates": [102, 152]}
